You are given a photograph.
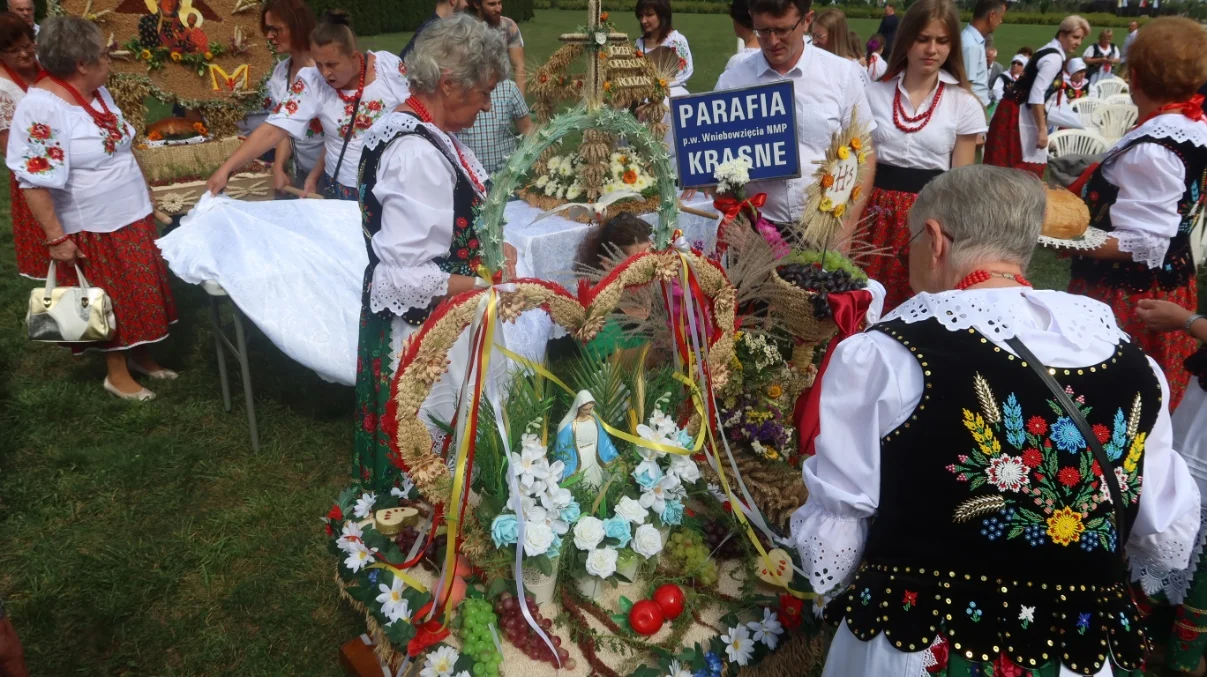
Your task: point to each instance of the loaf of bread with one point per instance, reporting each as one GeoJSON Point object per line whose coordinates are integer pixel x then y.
{"type": "Point", "coordinates": [173, 127]}
{"type": "Point", "coordinates": [1067, 216]}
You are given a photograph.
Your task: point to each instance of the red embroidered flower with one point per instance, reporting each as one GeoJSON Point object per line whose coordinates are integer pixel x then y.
{"type": "Point", "coordinates": [1069, 476]}
{"type": "Point", "coordinates": [37, 165]}
{"type": "Point", "coordinates": [291, 107]}
{"type": "Point", "coordinates": [1037, 426]}
{"type": "Point", "coordinates": [1095, 469]}
{"type": "Point", "coordinates": [347, 109]}
{"type": "Point", "coordinates": [461, 222]}
{"type": "Point", "coordinates": [1101, 432]}
{"type": "Point", "coordinates": [377, 368]}
{"type": "Point", "coordinates": [39, 132]}
{"type": "Point", "coordinates": [1004, 667]}
{"type": "Point", "coordinates": [402, 68]}
{"type": "Point", "coordinates": [298, 86]}
{"type": "Point", "coordinates": [373, 105]}
{"type": "Point", "coordinates": [364, 121]}
{"type": "Point", "coordinates": [1039, 477]}
{"type": "Point", "coordinates": [1093, 196]}
{"type": "Point", "coordinates": [55, 153]}
{"type": "Point", "coordinates": [1032, 458]}
{"type": "Point", "coordinates": [791, 609]}
{"type": "Point", "coordinates": [473, 243]}
{"type": "Point", "coordinates": [316, 126]}
{"type": "Point", "coordinates": [463, 253]}
{"type": "Point", "coordinates": [909, 599]}
{"type": "Point", "coordinates": [370, 423]}
{"type": "Point", "coordinates": [267, 103]}
{"type": "Point", "coordinates": [1183, 633]}
{"type": "Point", "coordinates": [277, 108]}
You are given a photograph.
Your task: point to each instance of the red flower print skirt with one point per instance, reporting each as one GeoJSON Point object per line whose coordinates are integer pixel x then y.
{"type": "Point", "coordinates": [127, 265]}
{"type": "Point", "coordinates": [1169, 349]}
{"type": "Point", "coordinates": [1004, 144]}
{"type": "Point", "coordinates": [33, 258]}
{"type": "Point", "coordinates": [884, 228]}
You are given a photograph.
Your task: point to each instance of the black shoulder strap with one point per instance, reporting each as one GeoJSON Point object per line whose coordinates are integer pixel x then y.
{"type": "Point", "coordinates": [1062, 398]}
{"type": "Point", "coordinates": [364, 65]}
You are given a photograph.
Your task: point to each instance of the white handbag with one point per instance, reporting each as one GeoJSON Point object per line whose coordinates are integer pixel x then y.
{"type": "Point", "coordinates": [82, 314]}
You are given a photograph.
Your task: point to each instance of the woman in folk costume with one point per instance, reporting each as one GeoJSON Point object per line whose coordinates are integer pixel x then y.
{"type": "Point", "coordinates": [1018, 132]}
{"type": "Point", "coordinates": [954, 508]}
{"type": "Point", "coordinates": [1183, 636]}
{"type": "Point", "coordinates": [1147, 192]}
{"type": "Point", "coordinates": [927, 121]}
{"type": "Point", "coordinates": [582, 443]}
{"type": "Point", "coordinates": [1074, 85]}
{"type": "Point", "coordinates": [420, 188]}
{"type": "Point", "coordinates": [1004, 82]}
{"type": "Point", "coordinates": [18, 70]}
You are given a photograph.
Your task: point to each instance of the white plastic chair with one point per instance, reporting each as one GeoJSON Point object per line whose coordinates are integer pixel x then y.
{"type": "Point", "coordinates": [1119, 100]}
{"type": "Point", "coordinates": [1076, 142]}
{"type": "Point", "coordinates": [1114, 121]}
{"type": "Point", "coordinates": [1108, 87]}
{"type": "Point", "coordinates": [1085, 108]}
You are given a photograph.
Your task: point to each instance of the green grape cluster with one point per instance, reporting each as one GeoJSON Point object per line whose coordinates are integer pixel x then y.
{"type": "Point", "coordinates": [690, 556]}
{"type": "Point", "coordinates": [477, 617]}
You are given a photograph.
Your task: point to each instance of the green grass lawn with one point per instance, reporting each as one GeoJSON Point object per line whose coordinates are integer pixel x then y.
{"type": "Point", "coordinates": [150, 540]}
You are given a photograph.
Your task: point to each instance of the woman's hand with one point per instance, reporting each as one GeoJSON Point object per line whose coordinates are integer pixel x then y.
{"type": "Point", "coordinates": [510, 256]}
{"type": "Point", "coordinates": [280, 179]}
{"type": "Point", "coordinates": [217, 182]}
{"type": "Point", "coordinates": [66, 252]}
{"type": "Point", "coordinates": [310, 187]}
{"type": "Point", "coordinates": [1041, 139]}
{"type": "Point", "coordinates": [1162, 315]}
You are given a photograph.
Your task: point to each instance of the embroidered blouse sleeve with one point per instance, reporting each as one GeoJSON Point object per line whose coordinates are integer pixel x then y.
{"type": "Point", "coordinates": [1145, 214]}
{"type": "Point", "coordinates": [389, 69]}
{"type": "Point", "coordinates": [303, 101]}
{"type": "Point", "coordinates": [686, 66]}
{"type": "Point", "coordinates": [1167, 524]}
{"type": "Point", "coordinates": [1047, 72]}
{"type": "Point", "coordinates": [415, 188]}
{"type": "Point", "coordinates": [861, 401]}
{"type": "Point", "coordinates": [38, 145]}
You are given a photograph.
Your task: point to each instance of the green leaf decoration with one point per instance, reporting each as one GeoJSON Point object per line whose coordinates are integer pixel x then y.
{"type": "Point", "coordinates": [626, 605]}
{"type": "Point", "coordinates": [543, 564]}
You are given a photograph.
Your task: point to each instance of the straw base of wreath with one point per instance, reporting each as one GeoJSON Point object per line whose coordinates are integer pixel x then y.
{"type": "Point", "coordinates": [546, 203]}
{"type": "Point", "coordinates": [775, 486]}
{"type": "Point", "coordinates": [796, 312]}
{"type": "Point", "coordinates": [165, 163]}
{"type": "Point", "coordinates": [178, 198]}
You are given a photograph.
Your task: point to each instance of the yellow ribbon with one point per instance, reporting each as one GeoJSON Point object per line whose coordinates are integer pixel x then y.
{"type": "Point", "coordinates": [406, 578]}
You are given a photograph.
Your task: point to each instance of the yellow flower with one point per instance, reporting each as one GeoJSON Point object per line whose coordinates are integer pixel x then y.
{"type": "Point", "coordinates": [662, 82]}
{"type": "Point", "coordinates": [607, 85]}
{"type": "Point", "coordinates": [774, 391]}
{"type": "Point", "coordinates": [177, 56]}
{"type": "Point", "coordinates": [1065, 527]}
{"type": "Point", "coordinates": [844, 152]}
{"type": "Point", "coordinates": [827, 205]}
{"type": "Point", "coordinates": [856, 144]}
{"type": "Point", "coordinates": [145, 55]}
{"type": "Point", "coordinates": [772, 455]}
{"type": "Point", "coordinates": [840, 210]}
{"type": "Point", "coordinates": [863, 157]}
{"type": "Point", "coordinates": [856, 192]}
{"type": "Point", "coordinates": [209, 55]}
{"type": "Point", "coordinates": [1133, 455]}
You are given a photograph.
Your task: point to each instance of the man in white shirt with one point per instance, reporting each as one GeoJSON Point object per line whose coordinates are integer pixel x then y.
{"type": "Point", "coordinates": [986, 17]}
{"type": "Point", "coordinates": [1132, 28]}
{"type": "Point", "coordinates": [828, 90]}
{"type": "Point", "coordinates": [25, 10]}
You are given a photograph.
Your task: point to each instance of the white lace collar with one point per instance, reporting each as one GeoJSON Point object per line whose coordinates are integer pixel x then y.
{"type": "Point", "coordinates": [997, 312]}
{"type": "Point", "coordinates": [1177, 127]}
{"type": "Point", "coordinates": [388, 127]}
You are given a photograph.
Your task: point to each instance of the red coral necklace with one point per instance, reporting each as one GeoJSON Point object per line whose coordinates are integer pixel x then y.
{"type": "Point", "coordinates": [104, 118]}
{"type": "Point", "coordinates": [422, 113]}
{"type": "Point", "coordinates": [978, 276]}
{"type": "Point", "coordinates": [17, 79]}
{"type": "Point", "coordinates": [899, 113]}
{"type": "Point", "coordinates": [360, 87]}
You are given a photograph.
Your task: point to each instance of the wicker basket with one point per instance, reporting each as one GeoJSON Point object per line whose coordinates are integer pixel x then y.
{"type": "Point", "coordinates": [796, 312]}
{"type": "Point", "coordinates": [166, 163]}
{"type": "Point", "coordinates": [178, 198]}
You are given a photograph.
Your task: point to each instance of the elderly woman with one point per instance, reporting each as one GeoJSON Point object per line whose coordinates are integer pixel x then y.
{"type": "Point", "coordinates": [420, 189]}
{"type": "Point", "coordinates": [346, 92]}
{"type": "Point", "coordinates": [952, 494]}
{"type": "Point", "coordinates": [18, 70]}
{"type": "Point", "coordinates": [69, 146]}
{"type": "Point", "coordinates": [1146, 194]}
{"type": "Point", "coordinates": [1018, 132]}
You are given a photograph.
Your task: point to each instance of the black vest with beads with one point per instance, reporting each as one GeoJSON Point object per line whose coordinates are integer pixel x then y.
{"type": "Point", "coordinates": [1178, 267]}
{"type": "Point", "coordinates": [994, 529]}
{"type": "Point", "coordinates": [463, 256]}
{"type": "Point", "coordinates": [1022, 86]}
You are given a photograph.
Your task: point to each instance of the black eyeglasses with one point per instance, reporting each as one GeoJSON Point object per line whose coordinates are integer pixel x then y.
{"type": "Point", "coordinates": [903, 253]}
{"type": "Point", "coordinates": [781, 33]}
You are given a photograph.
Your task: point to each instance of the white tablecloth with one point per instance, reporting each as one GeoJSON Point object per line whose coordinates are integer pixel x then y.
{"type": "Point", "coordinates": [547, 248]}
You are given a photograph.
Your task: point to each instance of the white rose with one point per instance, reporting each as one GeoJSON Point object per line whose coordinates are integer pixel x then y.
{"type": "Point", "coordinates": [537, 538]}
{"type": "Point", "coordinates": [647, 542]}
{"type": "Point", "coordinates": [540, 183]}
{"type": "Point", "coordinates": [602, 562]}
{"type": "Point", "coordinates": [630, 509]}
{"type": "Point", "coordinates": [684, 468]}
{"type": "Point", "coordinates": [588, 533]}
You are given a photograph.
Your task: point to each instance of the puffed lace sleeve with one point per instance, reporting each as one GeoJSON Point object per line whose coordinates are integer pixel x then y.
{"type": "Point", "coordinates": [1145, 217]}
{"type": "Point", "coordinates": [302, 103]}
{"type": "Point", "coordinates": [415, 189]}
{"type": "Point", "coordinates": [1166, 532]}
{"type": "Point", "coordinates": [392, 73]}
{"type": "Point", "coordinates": [860, 401]}
{"type": "Point", "coordinates": [39, 144]}
{"type": "Point", "coordinates": [10, 94]}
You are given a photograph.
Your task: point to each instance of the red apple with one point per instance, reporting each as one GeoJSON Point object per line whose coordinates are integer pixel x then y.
{"type": "Point", "coordinates": [669, 598]}
{"type": "Point", "coordinates": [646, 617]}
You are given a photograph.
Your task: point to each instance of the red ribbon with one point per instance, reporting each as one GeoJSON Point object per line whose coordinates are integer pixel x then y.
{"type": "Point", "coordinates": [1192, 109]}
{"type": "Point", "coordinates": [731, 207]}
{"type": "Point", "coordinates": [849, 308]}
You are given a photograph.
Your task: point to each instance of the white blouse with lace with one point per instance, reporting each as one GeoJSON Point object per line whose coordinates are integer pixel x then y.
{"type": "Point", "coordinates": [310, 98]}
{"type": "Point", "coordinates": [872, 386]}
{"type": "Point", "coordinates": [94, 181]}
{"type": "Point", "coordinates": [415, 183]}
{"type": "Point", "coordinates": [677, 43]}
{"type": "Point", "coordinates": [307, 148]}
{"type": "Point", "coordinates": [1151, 180]}
{"type": "Point", "coordinates": [10, 95]}
{"type": "Point", "coordinates": [1048, 69]}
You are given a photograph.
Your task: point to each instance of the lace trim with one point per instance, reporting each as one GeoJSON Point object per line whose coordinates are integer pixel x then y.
{"type": "Point", "coordinates": [385, 129]}
{"type": "Point", "coordinates": [830, 546]}
{"type": "Point", "coordinates": [1144, 247]}
{"type": "Point", "coordinates": [1177, 127]}
{"type": "Point", "coordinates": [1151, 568]}
{"type": "Point", "coordinates": [995, 313]}
{"type": "Point", "coordinates": [401, 289]}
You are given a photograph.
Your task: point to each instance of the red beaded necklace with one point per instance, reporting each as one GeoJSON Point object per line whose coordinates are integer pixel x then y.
{"type": "Point", "coordinates": [978, 276]}
{"type": "Point", "coordinates": [104, 118]}
{"type": "Point", "coordinates": [17, 79]}
{"type": "Point", "coordinates": [421, 111]}
{"type": "Point", "coordinates": [360, 87]}
{"type": "Point", "coordinates": [924, 117]}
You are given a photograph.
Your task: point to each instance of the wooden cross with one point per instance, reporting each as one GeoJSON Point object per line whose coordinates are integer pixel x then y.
{"type": "Point", "coordinates": [596, 39]}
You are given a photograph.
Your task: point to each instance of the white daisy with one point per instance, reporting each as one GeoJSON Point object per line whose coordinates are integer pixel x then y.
{"type": "Point", "coordinates": [393, 606]}
{"type": "Point", "coordinates": [350, 535]}
{"type": "Point", "coordinates": [364, 505]}
{"type": "Point", "coordinates": [738, 645]}
{"type": "Point", "coordinates": [678, 670]}
{"type": "Point", "coordinates": [359, 556]}
{"type": "Point", "coordinates": [529, 466]}
{"type": "Point", "coordinates": [440, 662]}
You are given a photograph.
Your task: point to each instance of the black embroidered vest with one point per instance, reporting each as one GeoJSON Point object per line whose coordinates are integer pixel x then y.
{"type": "Point", "coordinates": [1022, 86]}
{"type": "Point", "coordinates": [1007, 85]}
{"type": "Point", "coordinates": [463, 256]}
{"type": "Point", "coordinates": [994, 528]}
{"type": "Point", "coordinates": [1178, 267]}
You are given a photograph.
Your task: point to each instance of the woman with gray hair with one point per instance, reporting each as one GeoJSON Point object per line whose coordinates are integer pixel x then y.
{"type": "Point", "coordinates": [420, 187]}
{"type": "Point", "coordinates": [953, 488]}
{"type": "Point", "coordinates": [69, 147]}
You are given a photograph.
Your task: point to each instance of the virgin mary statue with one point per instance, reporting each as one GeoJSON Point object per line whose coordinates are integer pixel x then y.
{"type": "Point", "coordinates": [582, 442]}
